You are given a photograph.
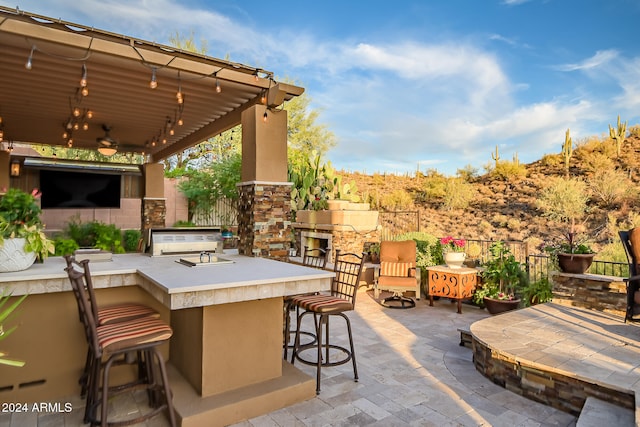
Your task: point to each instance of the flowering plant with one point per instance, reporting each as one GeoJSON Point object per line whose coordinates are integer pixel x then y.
{"type": "Point", "coordinates": [20, 217]}
{"type": "Point", "coordinates": [449, 244]}
{"type": "Point", "coordinates": [503, 277]}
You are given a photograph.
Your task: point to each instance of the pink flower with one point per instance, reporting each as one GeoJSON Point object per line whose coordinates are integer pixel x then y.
{"type": "Point", "coordinates": [36, 193]}
{"type": "Point", "coordinates": [449, 243]}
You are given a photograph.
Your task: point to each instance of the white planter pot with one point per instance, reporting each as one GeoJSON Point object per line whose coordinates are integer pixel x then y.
{"type": "Point", "coordinates": [13, 257]}
{"type": "Point", "coordinates": [454, 259]}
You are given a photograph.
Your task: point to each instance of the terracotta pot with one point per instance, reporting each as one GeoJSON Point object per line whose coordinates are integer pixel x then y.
{"type": "Point", "coordinates": [454, 259]}
{"type": "Point", "coordinates": [575, 263]}
{"type": "Point", "coordinates": [497, 306]}
{"type": "Point", "coordinates": [13, 257]}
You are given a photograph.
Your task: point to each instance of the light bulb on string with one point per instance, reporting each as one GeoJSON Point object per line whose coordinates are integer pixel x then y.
{"type": "Point", "coordinates": [83, 79]}
{"type": "Point", "coordinates": [154, 82]}
{"type": "Point", "coordinates": [29, 63]}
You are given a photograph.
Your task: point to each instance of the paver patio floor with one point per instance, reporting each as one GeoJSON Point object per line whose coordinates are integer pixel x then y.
{"type": "Point", "coordinates": [412, 370]}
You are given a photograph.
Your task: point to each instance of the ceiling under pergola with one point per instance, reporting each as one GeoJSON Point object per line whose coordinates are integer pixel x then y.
{"type": "Point", "coordinates": [37, 103]}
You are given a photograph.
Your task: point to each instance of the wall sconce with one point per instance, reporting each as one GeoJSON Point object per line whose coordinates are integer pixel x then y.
{"type": "Point", "coordinates": [15, 168]}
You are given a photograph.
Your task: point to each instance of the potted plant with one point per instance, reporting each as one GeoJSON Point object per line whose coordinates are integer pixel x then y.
{"type": "Point", "coordinates": [565, 201]}
{"type": "Point", "coordinates": [503, 279]}
{"type": "Point", "coordinates": [453, 251]}
{"type": "Point", "coordinates": [22, 237]}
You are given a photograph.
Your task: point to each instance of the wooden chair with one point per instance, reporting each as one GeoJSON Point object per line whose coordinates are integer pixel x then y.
{"type": "Point", "coordinates": [111, 343]}
{"type": "Point", "coordinates": [321, 307]}
{"type": "Point", "coordinates": [631, 242]}
{"type": "Point", "coordinates": [397, 273]}
{"type": "Point", "coordinates": [316, 258]}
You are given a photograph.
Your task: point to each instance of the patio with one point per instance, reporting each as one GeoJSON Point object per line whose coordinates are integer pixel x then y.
{"type": "Point", "coordinates": [412, 372]}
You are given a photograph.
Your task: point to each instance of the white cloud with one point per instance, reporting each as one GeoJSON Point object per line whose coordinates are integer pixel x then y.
{"type": "Point", "coordinates": [601, 57]}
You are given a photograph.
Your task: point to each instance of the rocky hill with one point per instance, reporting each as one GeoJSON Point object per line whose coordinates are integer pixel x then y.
{"type": "Point", "coordinates": [504, 207]}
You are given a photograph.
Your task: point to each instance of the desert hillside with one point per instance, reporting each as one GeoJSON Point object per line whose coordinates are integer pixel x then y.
{"type": "Point", "coordinates": [504, 207]}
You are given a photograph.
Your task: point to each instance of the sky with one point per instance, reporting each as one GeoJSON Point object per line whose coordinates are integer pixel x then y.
{"type": "Point", "coordinates": [410, 85]}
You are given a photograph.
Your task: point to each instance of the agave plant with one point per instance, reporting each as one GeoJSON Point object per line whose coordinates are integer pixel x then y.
{"type": "Point", "coordinates": [5, 312]}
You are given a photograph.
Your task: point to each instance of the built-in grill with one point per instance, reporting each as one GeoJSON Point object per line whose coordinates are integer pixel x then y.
{"type": "Point", "coordinates": [178, 241]}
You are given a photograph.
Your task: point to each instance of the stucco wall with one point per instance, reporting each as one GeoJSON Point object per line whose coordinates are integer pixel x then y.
{"type": "Point", "coordinates": [128, 216]}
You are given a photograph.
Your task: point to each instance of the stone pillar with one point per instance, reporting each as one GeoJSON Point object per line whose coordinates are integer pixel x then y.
{"type": "Point", "coordinates": [154, 206]}
{"type": "Point", "coordinates": [264, 205]}
{"type": "Point", "coordinates": [264, 228]}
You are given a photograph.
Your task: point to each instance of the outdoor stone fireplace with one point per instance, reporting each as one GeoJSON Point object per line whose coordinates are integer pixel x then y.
{"type": "Point", "coordinates": [345, 225]}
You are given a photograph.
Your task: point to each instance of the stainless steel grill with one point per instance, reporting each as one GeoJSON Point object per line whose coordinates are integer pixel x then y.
{"type": "Point", "coordinates": [177, 241]}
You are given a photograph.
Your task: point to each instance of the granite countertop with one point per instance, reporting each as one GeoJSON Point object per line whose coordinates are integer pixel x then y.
{"type": "Point", "coordinates": [177, 285]}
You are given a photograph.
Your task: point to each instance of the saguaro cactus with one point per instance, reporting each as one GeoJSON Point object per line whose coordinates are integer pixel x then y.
{"type": "Point", "coordinates": [496, 156]}
{"type": "Point", "coordinates": [567, 151]}
{"type": "Point", "coordinates": [618, 135]}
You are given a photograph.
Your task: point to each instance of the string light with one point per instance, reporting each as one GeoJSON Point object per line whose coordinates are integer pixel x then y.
{"type": "Point", "coordinates": [29, 63]}
{"type": "Point", "coordinates": [179, 95]}
{"type": "Point", "coordinates": [264, 117]}
{"type": "Point", "coordinates": [154, 82]}
{"type": "Point", "coordinates": [83, 79]}
{"type": "Point", "coordinates": [218, 87]}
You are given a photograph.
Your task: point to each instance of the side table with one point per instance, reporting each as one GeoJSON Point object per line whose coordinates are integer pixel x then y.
{"type": "Point", "coordinates": [455, 283]}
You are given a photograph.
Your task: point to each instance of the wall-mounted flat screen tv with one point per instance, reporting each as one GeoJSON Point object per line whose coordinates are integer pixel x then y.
{"type": "Point", "coordinates": [64, 189]}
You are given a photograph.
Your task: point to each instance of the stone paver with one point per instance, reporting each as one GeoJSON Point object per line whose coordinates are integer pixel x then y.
{"type": "Point", "coordinates": [412, 370]}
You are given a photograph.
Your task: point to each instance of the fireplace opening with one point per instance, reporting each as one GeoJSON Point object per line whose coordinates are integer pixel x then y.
{"type": "Point", "coordinates": [314, 240]}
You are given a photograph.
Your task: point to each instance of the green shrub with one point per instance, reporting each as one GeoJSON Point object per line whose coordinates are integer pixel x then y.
{"type": "Point", "coordinates": [131, 240]}
{"type": "Point", "coordinates": [458, 194]}
{"type": "Point", "coordinates": [183, 223]}
{"type": "Point", "coordinates": [428, 248]}
{"type": "Point", "coordinates": [65, 246]}
{"type": "Point", "coordinates": [551, 160]}
{"type": "Point", "coordinates": [435, 186]}
{"type": "Point", "coordinates": [537, 292]}
{"type": "Point", "coordinates": [398, 200]}
{"type": "Point", "coordinates": [596, 162]}
{"type": "Point", "coordinates": [610, 187]}
{"type": "Point", "coordinates": [94, 234]}
{"type": "Point", "coordinates": [509, 170]}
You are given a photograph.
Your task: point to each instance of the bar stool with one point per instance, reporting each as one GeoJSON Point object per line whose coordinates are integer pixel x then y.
{"type": "Point", "coordinates": [108, 314]}
{"type": "Point", "coordinates": [322, 307]}
{"type": "Point", "coordinates": [113, 342]}
{"type": "Point", "coordinates": [316, 258]}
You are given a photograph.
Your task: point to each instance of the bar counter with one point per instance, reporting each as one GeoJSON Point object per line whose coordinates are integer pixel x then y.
{"type": "Point", "coordinates": [225, 356]}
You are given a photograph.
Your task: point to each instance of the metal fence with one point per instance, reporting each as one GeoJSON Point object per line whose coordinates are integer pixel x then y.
{"type": "Point", "coordinates": [393, 223]}
{"type": "Point", "coordinates": [223, 213]}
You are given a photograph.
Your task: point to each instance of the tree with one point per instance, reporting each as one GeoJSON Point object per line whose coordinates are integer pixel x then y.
{"type": "Point", "coordinates": [304, 134]}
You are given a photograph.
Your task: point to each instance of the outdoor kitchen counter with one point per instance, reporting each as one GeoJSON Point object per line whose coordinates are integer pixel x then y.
{"type": "Point", "coordinates": [175, 285]}
{"type": "Point", "coordinates": [225, 355]}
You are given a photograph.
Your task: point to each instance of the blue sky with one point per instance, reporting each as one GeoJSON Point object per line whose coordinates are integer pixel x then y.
{"type": "Point", "coordinates": [416, 84]}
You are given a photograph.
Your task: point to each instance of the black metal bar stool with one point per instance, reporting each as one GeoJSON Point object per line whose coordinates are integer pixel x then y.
{"type": "Point", "coordinates": [344, 287]}
{"type": "Point", "coordinates": [316, 258]}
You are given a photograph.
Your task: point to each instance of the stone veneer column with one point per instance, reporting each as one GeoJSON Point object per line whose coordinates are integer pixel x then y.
{"type": "Point", "coordinates": [154, 204]}
{"type": "Point", "coordinates": [154, 212]}
{"type": "Point", "coordinates": [264, 205]}
{"type": "Point", "coordinates": [264, 228]}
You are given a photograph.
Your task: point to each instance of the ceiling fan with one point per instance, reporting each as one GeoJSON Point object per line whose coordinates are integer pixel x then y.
{"type": "Point", "coordinates": [107, 146]}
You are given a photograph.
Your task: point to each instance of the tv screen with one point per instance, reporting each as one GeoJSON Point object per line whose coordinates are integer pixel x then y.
{"type": "Point", "coordinates": [62, 189]}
